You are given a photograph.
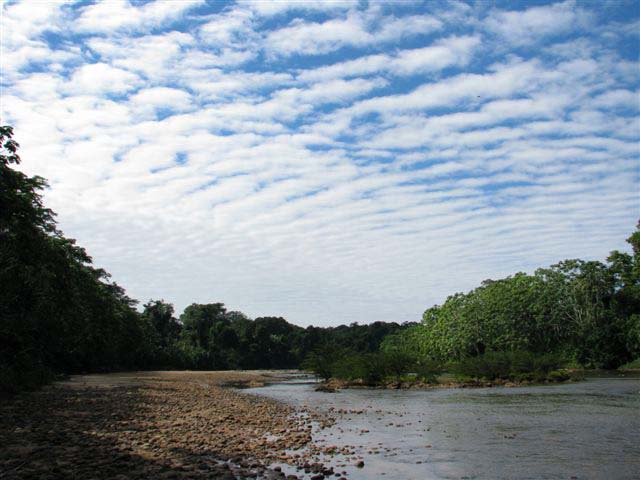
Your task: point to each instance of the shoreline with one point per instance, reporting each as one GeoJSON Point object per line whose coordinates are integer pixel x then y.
{"type": "Point", "coordinates": [334, 385]}
{"type": "Point", "coordinates": [571, 376]}
{"type": "Point", "coordinates": [169, 425]}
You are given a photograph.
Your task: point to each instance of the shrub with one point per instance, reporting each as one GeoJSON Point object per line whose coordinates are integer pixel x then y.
{"type": "Point", "coordinates": [558, 376]}
{"type": "Point", "coordinates": [320, 363]}
{"type": "Point", "coordinates": [428, 370]}
{"type": "Point", "coordinates": [635, 365]}
{"type": "Point", "coordinates": [514, 365]}
{"type": "Point", "coordinates": [397, 363]}
{"type": "Point", "coordinates": [349, 367]}
{"type": "Point", "coordinates": [25, 374]}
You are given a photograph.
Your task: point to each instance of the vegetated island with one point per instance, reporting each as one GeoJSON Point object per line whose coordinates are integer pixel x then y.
{"type": "Point", "coordinates": [494, 369]}
{"type": "Point", "coordinates": [60, 315]}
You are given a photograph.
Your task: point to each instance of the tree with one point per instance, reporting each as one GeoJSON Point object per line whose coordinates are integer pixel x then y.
{"type": "Point", "coordinates": [160, 315]}
{"type": "Point", "coordinates": [58, 313]}
{"type": "Point", "coordinates": [588, 311]}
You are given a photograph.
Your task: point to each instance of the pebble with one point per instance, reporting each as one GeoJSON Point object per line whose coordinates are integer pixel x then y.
{"type": "Point", "coordinates": [173, 425]}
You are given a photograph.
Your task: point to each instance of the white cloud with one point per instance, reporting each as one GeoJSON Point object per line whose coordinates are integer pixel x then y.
{"type": "Point", "coordinates": [114, 15]}
{"type": "Point", "coordinates": [194, 162]}
{"type": "Point", "coordinates": [618, 98]}
{"type": "Point", "coordinates": [21, 37]}
{"type": "Point", "coordinates": [334, 91]}
{"type": "Point", "coordinates": [443, 53]}
{"type": "Point", "coordinates": [154, 56]}
{"type": "Point", "coordinates": [407, 26]}
{"type": "Point", "coordinates": [101, 78]}
{"type": "Point", "coordinates": [229, 29]}
{"type": "Point", "coordinates": [214, 83]}
{"type": "Point", "coordinates": [162, 97]}
{"type": "Point", "coordinates": [516, 78]}
{"type": "Point", "coordinates": [22, 22]}
{"type": "Point", "coordinates": [534, 24]}
{"type": "Point", "coordinates": [316, 38]}
{"type": "Point", "coordinates": [360, 66]}
{"type": "Point", "coordinates": [278, 7]}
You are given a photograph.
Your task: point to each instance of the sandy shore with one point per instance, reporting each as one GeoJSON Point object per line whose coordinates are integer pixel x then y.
{"type": "Point", "coordinates": [155, 425]}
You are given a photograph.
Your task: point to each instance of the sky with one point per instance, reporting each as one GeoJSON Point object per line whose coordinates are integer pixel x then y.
{"type": "Point", "coordinates": [328, 162]}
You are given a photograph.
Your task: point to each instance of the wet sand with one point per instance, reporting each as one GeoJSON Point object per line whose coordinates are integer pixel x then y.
{"type": "Point", "coordinates": [155, 425]}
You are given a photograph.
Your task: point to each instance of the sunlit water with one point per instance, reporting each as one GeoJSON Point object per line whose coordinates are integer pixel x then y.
{"type": "Point", "coordinates": [582, 430]}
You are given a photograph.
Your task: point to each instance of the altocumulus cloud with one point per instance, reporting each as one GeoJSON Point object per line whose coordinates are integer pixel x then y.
{"type": "Point", "coordinates": [327, 161]}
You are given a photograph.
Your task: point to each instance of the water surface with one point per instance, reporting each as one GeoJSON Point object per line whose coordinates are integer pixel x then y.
{"type": "Point", "coordinates": [585, 430]}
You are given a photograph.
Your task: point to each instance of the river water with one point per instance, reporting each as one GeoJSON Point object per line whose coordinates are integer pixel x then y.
{"type": "Point", "coordinates": [584, 430]}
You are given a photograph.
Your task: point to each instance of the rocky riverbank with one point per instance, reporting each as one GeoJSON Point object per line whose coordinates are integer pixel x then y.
{"type": "Point", "coordinates": [447, 381]}
{"type": "Point", "coordinates": [169, 425]}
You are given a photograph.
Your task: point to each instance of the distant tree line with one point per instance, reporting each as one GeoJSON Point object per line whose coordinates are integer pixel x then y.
{"type": "Point", "coordinates": [208, 337]}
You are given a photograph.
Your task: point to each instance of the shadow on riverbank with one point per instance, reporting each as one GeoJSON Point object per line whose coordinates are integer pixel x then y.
{"type": "Point", "coordinates": [151, 425]}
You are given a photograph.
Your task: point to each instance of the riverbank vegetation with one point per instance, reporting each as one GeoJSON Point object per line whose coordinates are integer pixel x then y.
{"type": "Point", "coordinates": [399, 370]}
{"type": "Point", "coordinates": [60, 314]}
{"type": "Point", "coordinates": [584, 313]}
{"type": "Point", "coordinates": [524, 328]}
{"type": "Point", "coordinates": [633, 366]}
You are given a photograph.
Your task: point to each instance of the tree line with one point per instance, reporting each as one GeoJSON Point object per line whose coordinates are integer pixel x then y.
{"type": "Point", "coordinates": [208, 337]}
{"type": "Point", "coordinates": [523, 328]}
{"type": "Point", "coordinates": [587, 312]}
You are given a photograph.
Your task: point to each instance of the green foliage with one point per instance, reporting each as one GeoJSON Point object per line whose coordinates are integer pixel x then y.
{"type": "Point", "coordinates": [510, 365]}
{"type": "Point", "coordinates": [428, 370]}
{"type": "Point", "coordinates": [632, 335]}
{"type": "Point", "coordinates": [396, 363]}
{"type": "Point", "coordinates": [633, 365]}
{"type": "Point", "coordinates": [57, 312]}
{"type": "Point", "coordinates": [586, 311]}
{"type": "Point", "coordinates": [320, 362]}
{"type": "Point", "coordinates": [370, 368]}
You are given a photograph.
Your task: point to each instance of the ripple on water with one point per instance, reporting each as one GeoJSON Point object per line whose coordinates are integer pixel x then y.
{"type": "Point", "coordinates": [589, 429]}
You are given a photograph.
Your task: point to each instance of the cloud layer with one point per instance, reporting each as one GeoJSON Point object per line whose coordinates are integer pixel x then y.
{"type": "Point", "coordinates": [328, 162]}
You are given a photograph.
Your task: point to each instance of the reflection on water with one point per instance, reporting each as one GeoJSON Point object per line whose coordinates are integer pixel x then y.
{"type": "Point", "coordinates": [582, 430]}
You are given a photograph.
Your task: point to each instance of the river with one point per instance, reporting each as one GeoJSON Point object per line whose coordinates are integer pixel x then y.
{"type": "Point", "coordinates": [584, 430]}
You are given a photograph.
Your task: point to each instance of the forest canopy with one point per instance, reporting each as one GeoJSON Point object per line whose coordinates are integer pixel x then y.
{"type": "Point", "coordinates": [587, 311]}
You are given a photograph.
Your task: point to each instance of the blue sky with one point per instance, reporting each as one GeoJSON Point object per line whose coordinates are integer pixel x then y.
{"type": "Point", "coordinates": [329, 162]}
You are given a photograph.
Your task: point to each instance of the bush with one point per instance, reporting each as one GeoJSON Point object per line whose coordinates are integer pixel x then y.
{"type": "Point", "coordinates": [374, 368]}
{"type": "Point", "coordinates": [515, 365]}
{"type": "Point", "coordinates": [349, 367]}
{"type": "Point", "coordinates": [428, 370]}
{"type": "Point", "coordinates": [558, 376]}
{"type": "Point", "coordinates": [25, 374]}
{"type": "Point", "coordinates": [371, 368]}
{"type": "Point", "coordinates": [397, 363]}
{"type": "Point", "coordinates": [635, 365]}
{"type": "Point", "coordinates": [547, 362]}
{"type": "Point", "coordinates": [320, 362]}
